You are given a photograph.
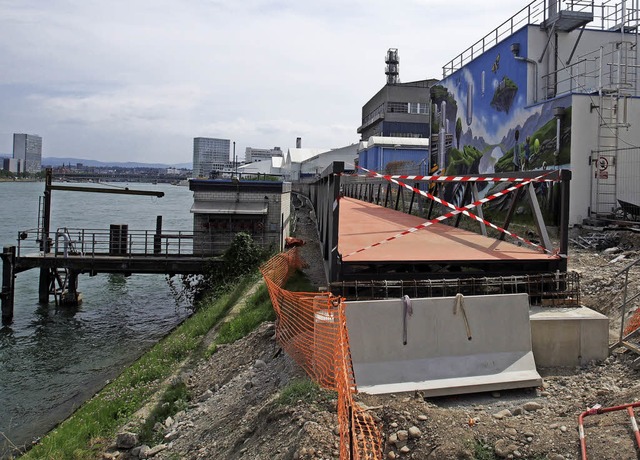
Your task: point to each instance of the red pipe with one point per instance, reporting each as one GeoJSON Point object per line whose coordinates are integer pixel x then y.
{"type": "Point", "coordinates": [603, 410]}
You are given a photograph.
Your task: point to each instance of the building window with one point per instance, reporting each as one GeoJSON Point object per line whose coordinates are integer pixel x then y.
{"type": "Point", "coordinates": [418, 107]}
{"type": "Point", "coordinates": [397, 107]}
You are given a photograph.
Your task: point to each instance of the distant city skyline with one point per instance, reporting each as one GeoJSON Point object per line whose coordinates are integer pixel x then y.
{"type": "Point", "coordinates": [124, 81]}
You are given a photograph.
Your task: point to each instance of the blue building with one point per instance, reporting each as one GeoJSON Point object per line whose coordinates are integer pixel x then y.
{"type": "Point", "coordinates": [557, 83]}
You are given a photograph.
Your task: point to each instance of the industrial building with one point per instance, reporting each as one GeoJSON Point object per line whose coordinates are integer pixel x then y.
{"type": "Point", "coordinates": [252, 155]}
{"type": "Point", "coordinates": [554, 86]}
{"type": "Point", "coordinates": [27, 148]}
{"type": "Point", "coordinates": [223, 207]}
{"type": "Point", "coordinates": [398, 109]}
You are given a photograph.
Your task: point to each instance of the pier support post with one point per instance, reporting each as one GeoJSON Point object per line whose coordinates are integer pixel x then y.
{"type": "Point", "coordinates": [44, 285]}
{"type": "Point", "coordinates": [8, 283]}
{"type": "Point", "coordinates": [157, 241]}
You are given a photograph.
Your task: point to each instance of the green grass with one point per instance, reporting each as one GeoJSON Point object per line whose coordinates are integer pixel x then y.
{"type": "Point", "coordinates": [174, 399]}
{"type": "Point", "coordinates": [83, 434]}
{"type": "Point", "coordinates": [303, 389]}
{"type": "Point", "coordinates": [257, 310]}
{"type": "Point", "coordinates": [480, 452]}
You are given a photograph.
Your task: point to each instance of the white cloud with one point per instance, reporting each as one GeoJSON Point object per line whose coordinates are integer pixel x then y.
{"type": "Point", "coordinates": [141, 79]}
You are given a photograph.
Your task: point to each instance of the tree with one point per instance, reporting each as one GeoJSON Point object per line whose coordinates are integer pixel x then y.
{"type": "Point", "coordinates": [458, 131]}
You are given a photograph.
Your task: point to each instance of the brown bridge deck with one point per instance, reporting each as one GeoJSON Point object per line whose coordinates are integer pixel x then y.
{"type": "Point", "coordinates": [439, 251]}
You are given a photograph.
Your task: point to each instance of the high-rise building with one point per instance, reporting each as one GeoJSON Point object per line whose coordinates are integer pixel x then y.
{"type": "Point", "coordinates": [28, 149]}
{"type": "Point", "coordinates": [252, 155]}
{"type": "Point", "coordinates": [210, 154]}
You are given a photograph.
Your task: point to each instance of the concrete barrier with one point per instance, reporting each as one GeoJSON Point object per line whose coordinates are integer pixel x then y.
{"type": "Point", "coordinates": [568, 337]}
{"type": "Point", "coordinates": [484, 346]}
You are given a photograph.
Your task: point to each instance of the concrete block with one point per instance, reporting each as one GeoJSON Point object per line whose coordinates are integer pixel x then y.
{"type": "Point", "coordinates": [433, 350]}
{"type": "Point", "coordinates": [567, 337]}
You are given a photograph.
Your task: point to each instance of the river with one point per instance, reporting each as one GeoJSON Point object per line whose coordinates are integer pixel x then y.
{"type": "Point", "coordinates": [52, 359]}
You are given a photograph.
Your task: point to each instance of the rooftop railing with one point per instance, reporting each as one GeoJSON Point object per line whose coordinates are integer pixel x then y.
{"type": "Point", "coordinates": [607, 15]}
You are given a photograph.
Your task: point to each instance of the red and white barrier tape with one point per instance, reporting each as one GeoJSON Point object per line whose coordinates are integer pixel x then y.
{"type": "Point", "coordinates": [457, 210]}
{"type": "Point", "coordinates": [452, 178]}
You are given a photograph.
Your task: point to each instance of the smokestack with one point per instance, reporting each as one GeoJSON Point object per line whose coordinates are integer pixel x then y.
{"type": "Point", "coordinates": [298, 142]}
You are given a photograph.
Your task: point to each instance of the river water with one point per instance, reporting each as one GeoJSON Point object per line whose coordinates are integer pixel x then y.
{"type": "Point", "coordinates": [52, 359]}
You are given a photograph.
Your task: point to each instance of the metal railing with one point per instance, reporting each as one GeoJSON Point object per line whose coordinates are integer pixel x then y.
{"type": "Point", "coordinates": [611, 67]}
{"type": "Point", "coordinates": [547, 289]}
{"type": "Point", "coordinates": [66, 242]}
{"type": "Point", "coordinates": [607, 15]}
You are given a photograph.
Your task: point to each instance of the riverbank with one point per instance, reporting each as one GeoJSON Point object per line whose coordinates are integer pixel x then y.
{"type": "Point", "coordinates": [86, 433]}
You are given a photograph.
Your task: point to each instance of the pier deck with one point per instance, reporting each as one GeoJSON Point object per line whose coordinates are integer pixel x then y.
{"type": "Point", "coordinates": [439, 250]}
{"type": "Point", "coordinates": [175, 264]}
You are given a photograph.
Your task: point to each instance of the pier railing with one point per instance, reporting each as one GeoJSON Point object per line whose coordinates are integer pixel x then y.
{"type": "Point", "coordinates": [123, 242]}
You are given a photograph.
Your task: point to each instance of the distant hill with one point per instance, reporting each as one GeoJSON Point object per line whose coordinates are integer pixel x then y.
{"type": "Point", "coordinates": [55, 161]}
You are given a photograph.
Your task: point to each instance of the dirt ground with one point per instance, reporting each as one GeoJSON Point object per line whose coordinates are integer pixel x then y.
{"type": "Point", "coordinates": [235, 413]}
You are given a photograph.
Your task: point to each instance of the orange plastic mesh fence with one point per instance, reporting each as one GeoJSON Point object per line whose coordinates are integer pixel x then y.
{"type": "Point", "coordinates": [634, 322]}
{"type": "Point", "coordinates": [312, 329]}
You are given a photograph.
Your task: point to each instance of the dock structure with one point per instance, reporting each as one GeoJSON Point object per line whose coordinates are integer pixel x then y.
{"type": "Point", "coordinates": [62, 255]}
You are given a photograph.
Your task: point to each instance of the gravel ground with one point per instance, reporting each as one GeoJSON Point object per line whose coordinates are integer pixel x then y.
{"type": "Point", "coordinates": [235, 413]}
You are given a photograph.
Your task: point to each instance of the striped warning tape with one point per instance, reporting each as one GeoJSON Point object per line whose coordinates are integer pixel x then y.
{"type": "Point", "coordinates": [457, 210]}
{"type": "Point", "coordinates": [453, 178]}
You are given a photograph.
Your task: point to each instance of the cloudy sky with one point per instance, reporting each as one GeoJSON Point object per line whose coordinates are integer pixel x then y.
{"type": "Point", "coordinates": [137, 80]}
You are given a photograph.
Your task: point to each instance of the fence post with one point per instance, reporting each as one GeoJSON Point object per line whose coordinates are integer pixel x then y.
{"type": "Point", "coordinates": [565, 182]}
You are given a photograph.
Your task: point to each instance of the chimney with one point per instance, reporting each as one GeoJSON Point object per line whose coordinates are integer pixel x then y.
{"type": "Point", "coordinates": [298, 142]}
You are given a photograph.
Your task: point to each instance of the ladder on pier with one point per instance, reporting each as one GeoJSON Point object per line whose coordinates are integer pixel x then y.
{"type": "Point", "coordinates": [617, 84]}
{"type": "Point", "coordinates": [64, 287]}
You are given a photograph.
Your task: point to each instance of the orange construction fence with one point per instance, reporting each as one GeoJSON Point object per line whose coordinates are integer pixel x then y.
{"type": "Point", "coordinates": [311, 327]}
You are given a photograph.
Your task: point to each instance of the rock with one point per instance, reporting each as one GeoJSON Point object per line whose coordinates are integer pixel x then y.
{"type": "Point", "coordinates": [260, 364]}
{"type": "Point", "coordinates": [503, 448]}
{"type": "Point", "coordinates": [422, 418]}
{"type": "Point", "coordinates": [391, 455]}
{"type": "Point", "coordinates": [414, 432]}
{"type": "Point", "coordinates": [517, 411]}
{"type": "Point", "coordinates": [126, 440]}
{"type": "Point", "coordinates": [613, 250]}
{"type": "Point", "coordinates": [403, 435]}
{"type": "Point", "coordinates": [394, 425]}
{"type": "Point", "coordinates": [555, 457]}
{"type": "Point", "coordinates": [617, 259]}
{"type": "Point", "coordinates": [563, 429]}
{"type": "Point", "coordinates": [528, 434]}
{"type": "Point", "coordinates": [393, 438]}
{"type": "Point", "coordinates": [511, 431]}
{"type": "Point", "coordinates": [405, 450]}
{"type": "Point", "coordinates": [532, 406]}
{"type": "Point", "coordinates": [144, 449]}
{"type": "Point", "coordinates": [502, 414]}
{"type": "Point", "coordinates": [154, 451]}
{"type": "Point", "coordinates": [171, 436]}
{"type": "Point", "coordinates": [204, 396]}
{"type": "Point", "coordinates": [169, 422]}
{"type": "Point", "coordinates": [110, 455]}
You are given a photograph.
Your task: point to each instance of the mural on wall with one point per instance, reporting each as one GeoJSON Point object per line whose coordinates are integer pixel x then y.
{"type": "Point", "coordinates": [494, 129]}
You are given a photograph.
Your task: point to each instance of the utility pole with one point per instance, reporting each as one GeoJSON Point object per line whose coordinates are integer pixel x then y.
{"type": "Point", "coordinates": [235, 159]}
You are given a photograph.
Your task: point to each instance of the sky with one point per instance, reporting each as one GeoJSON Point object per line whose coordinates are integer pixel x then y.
{"type": "Point", "coordinates": [137, 80]}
